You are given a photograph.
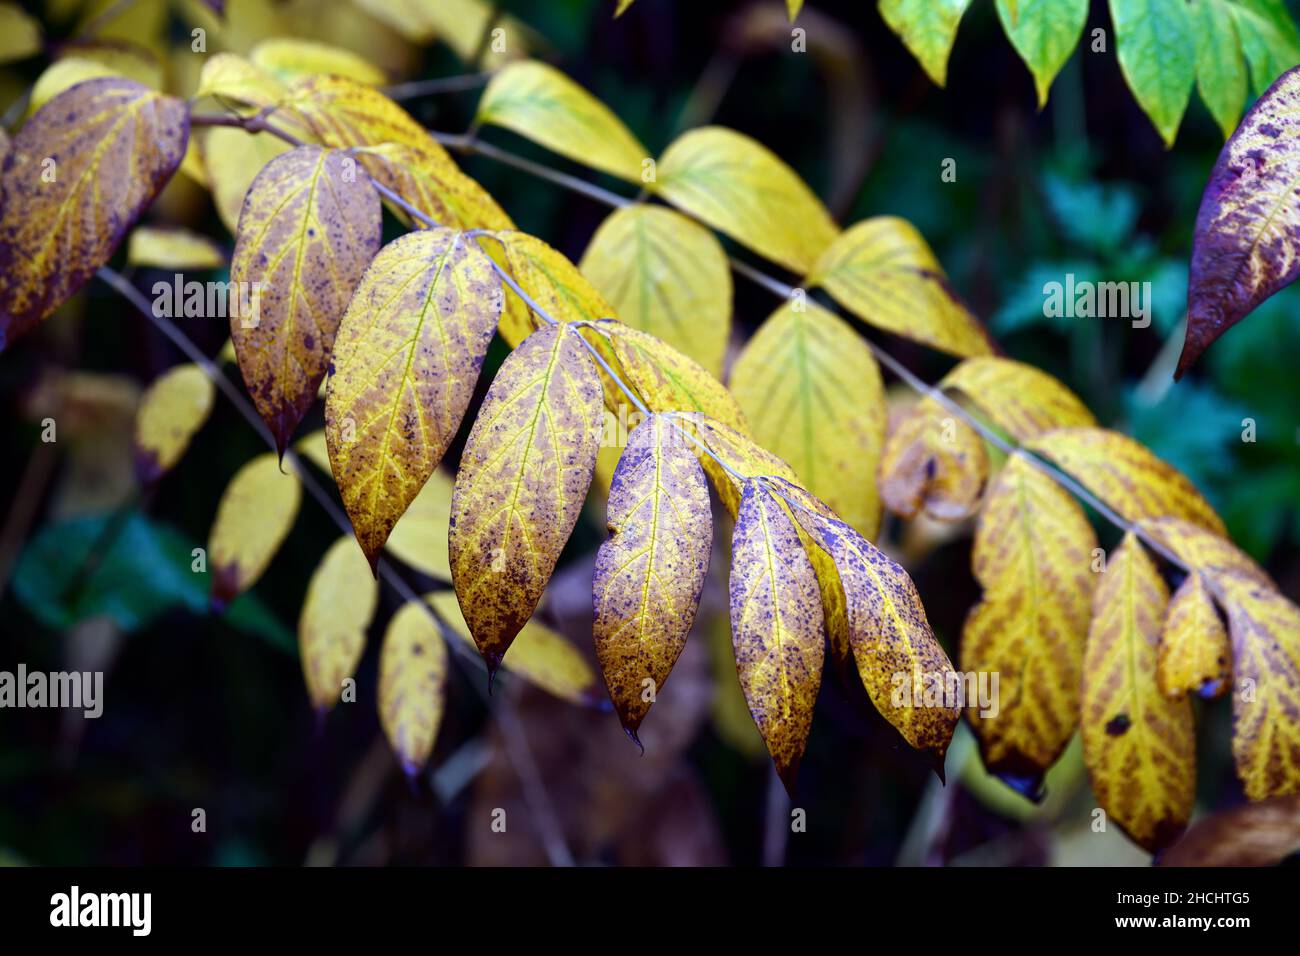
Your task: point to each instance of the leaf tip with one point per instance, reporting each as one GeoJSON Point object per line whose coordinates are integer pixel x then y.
{"type": "Point", "coordinates": [631, 734]}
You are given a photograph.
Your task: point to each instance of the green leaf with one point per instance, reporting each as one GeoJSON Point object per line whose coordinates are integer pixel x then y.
{"type": "Point", "coordinates": [1156, 41]}
{"type": "Point", "coordinates": [1220, 66]}
{"type": "Point", "coordinates": [927, 28]}
{"type": "Point", "coordinates": [1268, 39]}
{"type": "Point", "coordinates": [1044, 33]}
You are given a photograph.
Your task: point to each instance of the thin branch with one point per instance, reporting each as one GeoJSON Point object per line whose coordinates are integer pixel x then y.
{"type": "Point", "coordinates": [442, 84]}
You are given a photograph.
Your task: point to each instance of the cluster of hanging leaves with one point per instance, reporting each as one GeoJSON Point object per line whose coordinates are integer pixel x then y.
{"type": "Point", "coordinates": [396, 336]}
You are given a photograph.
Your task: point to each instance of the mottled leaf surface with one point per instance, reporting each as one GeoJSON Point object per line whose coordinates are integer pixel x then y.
{"type": "Point", "coordinates": [933, 462]}
{"type": "Point", "coordinates": [1194, 655]}
{"type": "Point", "coordinates": [1020, 399]}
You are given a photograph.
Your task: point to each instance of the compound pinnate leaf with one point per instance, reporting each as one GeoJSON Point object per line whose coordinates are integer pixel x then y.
{"type": "Point", "coordinates": [412, 685]}
{"type": "Point", "coordinates": [1033, 557]}
{"type": "Point", "coordinates": [1126, 475]}
{"type": "Point", "coordinates": [1194, 656]}
{"type": "Point", "coordinates": [1044, 33]}
{"type": "Point", "coordinates": [903, 667]}
{"type": "Point", "coordinates": [1156, 44]}
{"type": "Point", "coordinates": [1139, 745]}
{"type": "Point", "coordinates": [934, 462]}
{"type": "Point", "coordinates": [1265, 631]}
{"type": "Point", "coordinates": [667, 276]}
{"type": "Point", "coordinates": [648, 575]}
{"type": "Point", "coordinates": [406, 359]}
{"type": "Point", "coordinates": [76, 178]}
{"type": "Point", "coordinates": [341, 599]}
{"type": "Point", "coordinates": [740, 187]}
{"type": "Point", "coordinates": [550, 280]}
{"type": "Point", "coordinates": [540, 103]}
{"type": "Point", "coordinates": [173, 408]}
{"type": "Point", "coordinates": [1020, 399]}
{"type": "Point", "coordinates": [927, 28]}
{"type": "Point", "coordinates": [523, 477]}
{"type": "Point", "coordinates": [310, 225]}
{"type": "Point", "coordinates": [811, 391]}
{"type": "Point", "coordinates": [883, 272]}
{"type": "Point", "coordinates": [256, 512]}
{"type": "Point", "coordinates": [433, 184]}
{"type": "Point", "coordinates": [1245, 248]}
{"type": "Point", "coordinates": [776, 626]}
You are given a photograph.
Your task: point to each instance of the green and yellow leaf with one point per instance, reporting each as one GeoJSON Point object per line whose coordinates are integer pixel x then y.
{"type": "Point", "coordinates": [420, 536]}
{"type": "Point", "coordinates": [1156, 44]}
{"type": "Point", "coordinates": [927, 28]}
{"type": "Point", "coordinates": [20, 34]}
{"type": "Point", "coordinates": [228, 77]}
{"type": "Point", "coordinates": [1220, 65]}
{"type": "Point", "coordinates": [171, 410]}
{"type": "Point", "coordinates": [412, 685]}
{"type": "Point", "coordinates": [257, 510]}
{"type": "Point", "coordinates": [1044, 33]}
{"type": "Point", "coordinates": [433, 184]}
{"type": "Point", "coordinates": [341, 599]}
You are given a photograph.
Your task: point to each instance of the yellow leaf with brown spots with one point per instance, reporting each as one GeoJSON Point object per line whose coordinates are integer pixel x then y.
{"type": "Point", "coordinates": [173, 408]}
{"type": "Point", "coordinates": [1126, 475]}
{"type": "Point", "coordinates": [341, 599]}
{"type": "Point", "coordinates": [1021, 400]}
{"type": "Point", "coordinates": [1195, 656]}
{"type": "Point", "coordinates": [311, 223]}
{"type": "Point", "coordinates": [406, 359]}
{"type": "Point", "coordinates": [776, 626]}
{"type": "Point", "coordinates": [1033, 556]}
{"type": "Point", "coordinates": [933, 462]}
{"type": "Point", "coordinates": [433, 184]}
{"type": "Point", "coordinates": [343, 113]}
{"type": "Point", "coordinates": [1139, 745]}
{"type": "Point", "coordinates": [76, 178]}
{"type": "Point", "coordinates": [550, 280]}
{"type": "Point", "coordinates": [648, 575]}
{"type": "Point", "coordinates": [811, 391]}
{"type": "Point", "coordinates": [903, 667]}
{"type": "Point", "coordinates": [1204, 550]}
{"type": "Point", "coordinates": [523, 477]}
{"type": "Point", "coordinates": [1265, 631]}
{"type": "Point", "coordinates": [412, 685]}
{"type": "Point", "coordinates": [255, 514]}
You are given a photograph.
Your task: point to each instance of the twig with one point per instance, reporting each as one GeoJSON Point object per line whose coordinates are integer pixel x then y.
{"type": "Point", "coordinates": [443, 84]}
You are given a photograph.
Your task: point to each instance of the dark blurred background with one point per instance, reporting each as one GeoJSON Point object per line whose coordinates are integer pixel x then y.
{"type": "Point", "coordinates": [212, 713]}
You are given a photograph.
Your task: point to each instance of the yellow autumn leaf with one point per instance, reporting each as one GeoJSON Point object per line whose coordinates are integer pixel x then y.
{"type": "Point", "coordinates": [1021, 400]}
{"type": "Point", "coordinates": [933, 462]}
{"type": "Point", "coordinates": [255, 514]}
{"type": "Point", "coordinates": [228, 78]}
{"type": "Point", "coordinates": [469, 27]}
{"type": "Point", "coordinates": [1033, 556]}
{"type": "Point", "coordinates": [80, 62]}
{"type": "Point", "coordinates": [313, 447]}
{"type": "Point", "coordinates": [648, 575]}
{"type": "Point", "coordinates": [343, 113]}
{"type": "Point", "coordinates": [1194, 654]}
{"type": "Point", "coordinates": [171, 410]}
{"type": "Point", "coordinates": [154, 247]}
{"type": "Point", "coordinates": [406, 359]}
{"type": "Point", "coordinates": [232, 159]}
{"type": "Point", "coordinates": [550, 280]}
{"type": "Point", "coordinates": [20, 33]}
{"type": "Point", "coordinates": [927, 28]}
{"type": "Point", "coordinates": [1207, 551]}
{"type": "Point", "coordinates": [523, 477]}
{"type": "Point", "coordinates": [420, 536]}
{"type": "Point", "coordinates": [742, 457]}
{"type": "Point", "coordinates": [341, 599]}
{"type": "Point", "coordinates": [667, 276]}
{"type": "Point", "coordinates": [412, 685]}
{"type": "Point", "coordinates": [1139, 745]}
{"type": "Point", "coordinates": [290, 59]}
{"type": "Point", "coordinates": [883, 272]}
{"type": "Point", "coordinates": [776, 626]}
{"type": "Point", "coordinates": [311, 223]}
{"type": "Point", "coordinates": [812, 393]}
{"type": "Point", "coordinates": [739, 187]}
{"type": "Point", "coordinates": [434, 185]}
{"type": "Point", "coordinates": [1126, 475]}
{"type": "Point", "coordinates": [540, 103]}
{"type": "Point", "coordinates": [60, 222]}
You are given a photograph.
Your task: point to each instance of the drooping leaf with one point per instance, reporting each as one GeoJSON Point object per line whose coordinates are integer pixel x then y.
{"type": "Point", "coordinates": [933, 462]}
{"type": "Point", "coordinates": [927, 28]}
{"type": "Point", "coordinates": [173, 408]}
{"type": "Point", "coordinates": [776, 626]}
{"type": "Point", "coordinates": [648, 575]}
{"type": "Point", "coordinates": [412, 685]}
{"type": "Point", "coordinates": [1155, 41]}
{"type": "Point", "coordinates": [540, 103]}
{"type": "Point", "coordinates": [433, 184]}
{"type": "Point", "coordinates": [1044, 33]}
{"type": "Point", "coordinates": [1139, 745]}
{"type": "Point", "coordinates": [1194, 655]}
{"type": "Point", "coordinates": [310, 225]}
{"type": "Point", "coordinates": [341, 599]}
{"type": "Point", "coordinates": [1021, 400]}
{"type": "Point", "coordinates": [469, 27]}
{"type": "Point", "coordinates": [1220, 65]}
{"type": "Point", "coordinates": [1245, 248]}
{"type": "Point", "coordinates": [1207, 551]}
{"type": "Point", "coordinates": [1032, 555]}
{"type": "Point", "coordinates": [420, 536]}
{"type": "Point", "coordinates": [154, 247]}
{"type": "Point", "coordinates": [1268, 39]}
{"type": "Point", "coordinates": [76, 178]}
{"type": "Point", "coordinates": [811, 392]}
{"type": "Point", "coordinates": [739, 187]}
{"type": "Point", "coordinates": [1256, 834]}
{"type": "Point", "coordinates": [740, 455]}
{"type": "Point", "coordinates": [256, 512]}
{"type": "Point", "coordinates": [406, 359]}
{"type": "Point", "coordinates": [883, 272]}
{"type": "Point", "coordinates": [550, 280]}
{"type": "Point", "coordinates": [523, 477]}
{"type": "Point", "coordinates": [1125, 475]}
{"type": "Point", "coordinates": [289, 59]}
{"type": "Point", "coordinates": [667, 276]}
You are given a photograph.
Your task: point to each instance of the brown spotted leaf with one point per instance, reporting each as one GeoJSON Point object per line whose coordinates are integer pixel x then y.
{"type": "Point", "coordinates": [933, 462]}
{"type": "Point", "coordinates": [776, 626]}
{"type": "Point", "coordinates": [648, 575]}
{"type": "Point", "coordinates": [311, 223]}
{"type": "Point", "coordinates": [407, 357]}
{"type": "Point", "coordinates": [523, 477]}
{"type": "Point", "coordinates": [76, 178]}
{"type": "Point", "coordinates": [342, 112]}
{"type": "Point", "coordinates": [1204, 550]}
{"type": "Point", "coordinates": [1139, 745]}
{"type": "Point", "coordinates": [432, 183]}
{"type": "Point", "coordinates": [1195, 656]}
